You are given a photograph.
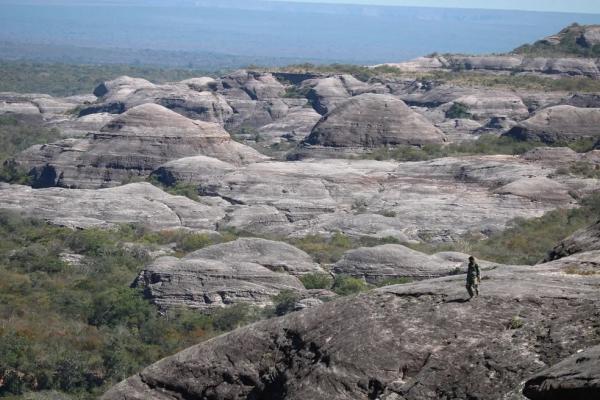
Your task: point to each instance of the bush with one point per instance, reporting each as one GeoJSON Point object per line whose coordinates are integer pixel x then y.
{"type": "Point", "coordinates": [317, 280]}
{"type": "Point", "coordinates": [79, 330]}
{"type": "Point", "coordinates": [285, 302]}
{"type": "Point", "coordinates": [515, 323]}
{"type": "Point", "coordinates": [345, 285]}
{"type": "Point", "coordinates": [234, 316]}
{"type": "Point", "coordinates": [458, 110]}
{"type": "Point", "coordinates": [192, 242]}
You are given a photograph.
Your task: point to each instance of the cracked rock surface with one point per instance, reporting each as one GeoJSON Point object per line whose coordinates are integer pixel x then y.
{"type": "Point", "coordinates": [414, 341]}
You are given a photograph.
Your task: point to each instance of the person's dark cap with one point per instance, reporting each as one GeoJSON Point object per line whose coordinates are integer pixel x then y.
{"type": "Point", "coordinates": [471, 258]}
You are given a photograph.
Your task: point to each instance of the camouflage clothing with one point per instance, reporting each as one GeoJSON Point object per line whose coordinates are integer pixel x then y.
{"type": "Point", "coordinates": [473, 278]}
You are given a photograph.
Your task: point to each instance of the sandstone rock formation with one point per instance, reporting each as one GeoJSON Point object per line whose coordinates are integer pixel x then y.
{"type": "Point", "coordinates": [567, 66]}
{"type": "Point", "coordinates": [559, 123]}
{"type": "Point", "coordinates": [124, 93]}
{"type": "Point", "coordinates": [276, 256]}
{"type": "Point", "coordinates": [130, 146]}
{"type": "Point", "coordinates": [43, 106]}
{"type": "Point", "coordinates": [206, 284]}
{"type": "Point", "coordinates": [294, 127]}
{"type": "Point", "coordinates": [247, 270]}
{"type": "Point", "coordinates": [538, 188]}
{"type": "Point", "coordinates": [494, 104]}
{"type": "Point", "coordinates": [371, 120]}
{"type": "Point", "coordinates": [585, 239]}
{"type": "Point", "coordinates": [575, 378]}
{"type": "Point", "coordinates": [429, 200]}
{"type": "Point", "coordinates": [413, 341]}
{"type": "Point", "coordinates": [139, 203]}
{"type": "Point", "coordinates": [377, 264]}
{"type": "Point", "coordinates": [329, 92]}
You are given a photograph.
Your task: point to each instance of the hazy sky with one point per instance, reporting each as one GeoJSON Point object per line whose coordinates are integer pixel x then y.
{"type": "Point", "coordinates": [575, 6]}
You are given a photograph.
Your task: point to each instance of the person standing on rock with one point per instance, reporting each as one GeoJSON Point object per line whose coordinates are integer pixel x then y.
{"type": "Point", "coordinates": [473, 278]}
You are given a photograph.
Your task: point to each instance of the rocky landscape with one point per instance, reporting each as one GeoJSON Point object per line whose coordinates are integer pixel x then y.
{"type": "Point", "coordinates": [276, 157]}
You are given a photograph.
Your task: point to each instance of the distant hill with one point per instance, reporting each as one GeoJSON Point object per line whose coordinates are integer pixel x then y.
{"type": "Point", "coordinates": [574, 40]}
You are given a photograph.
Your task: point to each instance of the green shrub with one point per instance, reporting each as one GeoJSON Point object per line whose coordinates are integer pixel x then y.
{"type": "Point", "coordinates": [234, 316]}
{"type": "Point", "coordinates": [516, 322]}
{"type": "Point", "coordinates": [458, 110]}
{"type": "Point", "coordinates": [285, 302]}
{"type": "Point", "coordinates": [317, 280]}
{"type": "Point", "coordinates": [79, 330]}
{"type": "Point", "coordinates": [193, 242]}
{"type": "Point", "coordinates": [345, 285]}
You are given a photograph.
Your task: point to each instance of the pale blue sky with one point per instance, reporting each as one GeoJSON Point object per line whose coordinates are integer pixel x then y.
{"type": "Point", "coordinates": [575, 6]}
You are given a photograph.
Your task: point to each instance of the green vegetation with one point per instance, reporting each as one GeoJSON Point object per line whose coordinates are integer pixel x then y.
{"type": "Point", "coordinates": [458, 110]}
{"type": "Point", "coordinates": [345, 285]}
{"type": "Point", "coordinates": [526, 241]}
{"type": "Point", "coordinates": [78, 329]}
{"type": "Point", "coordinates": [570, 44]}
{"type": "Point", "coordinates": [68, 79]}
{"type": "Point", "coordinates": [317, 280]}
{"type": "Point", "coordinates": [485, 144]}
{"type": "Point", "coordinates": [516, 322]}
{"type": "Point", "coordinates": [285, 302]}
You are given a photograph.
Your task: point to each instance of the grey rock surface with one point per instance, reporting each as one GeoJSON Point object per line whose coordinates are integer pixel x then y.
{"type": "Point", "coordinates": [413, 341]}
{"type": "Point", "coordinates": [276, 256]}
{"type": "Point", "coordinates": [494, 104]}
{"type": "Point", "coordinates": [129, 147]}
{"type": "Point", "coordinates": [371, 120]}
{"type": "Point", "coordinates": [329, 92]}
{"type": "Point", "coordinates": [377, 264]}
{"type": "Point", "coordinates": [538, 188]}
{"type": "Point", "coordinates": [509, 63]}
{"type": "Point", "coordinates": [553, 124]}
{"type": "Point", "coordinates": [42, 105]}
{"type": "Point", "coordinates": [294, 127]}
{"type": "Point", "coordinates": [575, 378]}
{"type": "Point", "coordinates": [139, 203]}
{"type": "Point", "coordinates": [124, 93]}
{"type": "Point", "coordinates": [206, 284]}
{"type": "Point", "coordinates": [429, 200]}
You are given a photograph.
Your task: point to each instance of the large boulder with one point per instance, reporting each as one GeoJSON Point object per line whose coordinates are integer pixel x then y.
{"type": "Point", "coordinates": [328, 93]}
{"type": "Point", "coordinates": [493, 104]}
{"type": "Point", "coordinates": [372, 120]}
{"type": "Point", "coordinates": [575, 378]}
{"type": "Point", "coordinates": [585, 239]}
{"type": "Point", "coordinates": [559, 123]}
{"type": "Point", "coordinates": [294, 127]}
{"type": "Point", "coordinates": [537, 189]}
{"type": "Point", "coordinates": [276, 256]}
{"type": "Point", "coordinates": [137, 203]}
{"type": "Point", "coordinates": [124, 93]}
{"type": "Point", "coordinates": [413, 342]}
{"type": "Point", "coordinates": [380, 263]}
{"type": "Point", "coordinates": [132, 144]}
{"type": "Point", "coordinates": [206, 284]}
